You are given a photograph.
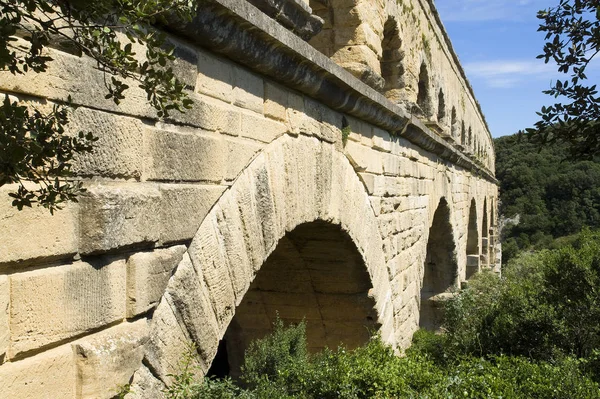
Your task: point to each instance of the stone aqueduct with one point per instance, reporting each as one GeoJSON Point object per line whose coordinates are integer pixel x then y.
{"type": "Point", "coordinates": [335, 167]}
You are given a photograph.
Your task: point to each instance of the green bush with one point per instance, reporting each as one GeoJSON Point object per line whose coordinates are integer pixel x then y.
{"type": "Point", "coordinates": [375, 371]}
{"type": "Point", "coordinates": [546, 306]}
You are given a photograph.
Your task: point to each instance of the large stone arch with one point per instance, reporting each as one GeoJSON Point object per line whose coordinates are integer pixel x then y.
{"type": "Point", "coordinates": [485, 246]}
{"type": "Point", "coordinates": [440, 269]}
{"type": "Point", "coordinates": [472, 266]}
{"type": "Point", "coordinates": [294, 181]}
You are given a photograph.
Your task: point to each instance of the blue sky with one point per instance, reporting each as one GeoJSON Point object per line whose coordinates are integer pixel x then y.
{"type": "Point", "coordinates": [497, 42]}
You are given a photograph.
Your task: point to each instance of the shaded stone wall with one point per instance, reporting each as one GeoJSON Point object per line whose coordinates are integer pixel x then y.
{"type": "Point", "coordinates": [181, 215]}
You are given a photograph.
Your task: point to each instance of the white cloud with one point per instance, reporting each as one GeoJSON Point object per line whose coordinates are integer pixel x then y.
{"type": "Point", "coordinates": [509, 73]}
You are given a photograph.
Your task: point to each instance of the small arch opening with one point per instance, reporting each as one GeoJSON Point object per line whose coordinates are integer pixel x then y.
{"type": "Point", "coordinates": [440, 269]}
{"type": "Point", "coordinates": [470, 137]}
{"type": "Point", "coordinates": [453, 123]}
{"type": "Point", "coordinates": [441, 116]}
{"type": "Point", "coordinates": [392, 69]}
{"type": "Point", "coordinates": [423, 97]}
{"type": "Point", "coordinates": [314, 274]}
{"type": "Point", "coordinates": [463, 134]}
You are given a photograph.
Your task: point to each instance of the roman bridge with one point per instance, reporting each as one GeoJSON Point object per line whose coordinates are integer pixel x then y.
{"type": "Point", "coordinates": [335, 167]}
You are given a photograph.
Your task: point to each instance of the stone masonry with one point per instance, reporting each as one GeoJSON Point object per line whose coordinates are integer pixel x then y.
{"type": "Point", "coordinates": [335, 167]}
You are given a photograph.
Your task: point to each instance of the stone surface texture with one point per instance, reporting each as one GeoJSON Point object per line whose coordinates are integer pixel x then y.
{"type": "Point", "coordinates": [316, 178]}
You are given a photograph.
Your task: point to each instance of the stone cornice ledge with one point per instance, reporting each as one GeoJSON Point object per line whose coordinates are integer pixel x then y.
{"type": "Point", "coordinates": [240, 31]}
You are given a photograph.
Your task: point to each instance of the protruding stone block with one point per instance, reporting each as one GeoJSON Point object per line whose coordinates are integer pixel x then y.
{"type": "Point", "coordinates": [53, 304]}
{"type": "Point", "coordinates": [34, 233]}
{"type": "Point", "coordinates": [147, 276]}
{"type": "Point", "coordinates": [114, 216]}
{"type": "Point", "coordinates": [107, 361]}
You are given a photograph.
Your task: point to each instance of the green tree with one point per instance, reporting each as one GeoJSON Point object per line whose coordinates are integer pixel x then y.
{"type": "Point", "coordinates": [572, 41]}
{"type": "Point", "coordinates": [34, 146]}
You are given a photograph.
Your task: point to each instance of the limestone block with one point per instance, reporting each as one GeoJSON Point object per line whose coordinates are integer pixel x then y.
{"type": "Point", "coordinates": [185, 64]}
{"type": "Point", "coordinates": [329, 122]}
{"type": "Point", "coordinates": [240, 153]}
{"type": "Point", "coordinates": [184, 156]}
{"type": "Point", "coordinates": [260, 128]}
{"type": "Point", "coordinates": [147, 276]}
{"type": "Point", "coordinates": [295, 113]}
{"type": "Point", "coordinates": [118, 151]}
{"type": "Point", "coordinates": [248, 90]}
{"type": "Point", "coordinates": [353, 57]}
{"type": "Point", "coordinates": [114, 216]}
{"type": "Point", "coordinates": [106, 362]}
{"type": "Point", "coordinates": [48, 375]}
{"type": "Point", "coordinates": [252, 232]}
{"type": "Point", "coordinates": [362, 34]}
{"type": "Point", "coordinates": [168, 344]}
{"type": "Point", "coordinates": [232, 230]}
{"type": "Point", "coordinates": [363, 158]}
{"type": "Point", "coordinates": [215, 76]}
{"type": "Point", "coordinates": [369, 181]}
{"type": "Point", "coordinates": [391, 164]}
{"type": "Point", "coordinates": [56, 303]}
{"type": "Point", "coordinates": [276, 101]}
{"type": "Point", "coordinates": [207, 253]}
{"type": "Point", "coordinates": [4, 316]}
{"type": "Point", "coordinates": [145, 386]}
{"type": "Point", "coordinates": [192, 304]}
{"type": "Point", "coordinates": [210, 114]}
{"type": "Point", "coordinates": [78, 77]}
{"type": "Point", "coordinates": [382, 140]}
{"type": "Point", "coordinates": [34, 233]}
{"type": "Point", "coordinates": [183, 207]}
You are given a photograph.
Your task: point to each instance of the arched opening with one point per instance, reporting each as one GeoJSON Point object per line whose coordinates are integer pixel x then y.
{"type": "Point", "coordinates": [453, 124]}
{"type": "Point", "coordinates": [484, 237]}
{"type": "Point", "coordinates": [463, 134]}
{"type": "Point", "coordinates": [471, 138]}
{"type": "Point", "coordinates": [472, 243]}
{"type": "Point", "coordinates": [392, 70]}
{"type": "Point", "coordinates": [314, 274]}
{"type": "Point", "coordinates": [441, 116]}
{"type": "Point", "coordinates": [423, 97]}
{"type": "Point", "coordinates": [440, 269]}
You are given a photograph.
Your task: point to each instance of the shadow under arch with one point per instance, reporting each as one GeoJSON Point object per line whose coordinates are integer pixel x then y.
{"type": "Point", "coordinates": [315, 274]}
{"type": "Point", "coordinates": [440, 275]}
{"type": "Point", "coordinates": [293, 182]}
{"type": "Point", "coordinates": [472, 242]}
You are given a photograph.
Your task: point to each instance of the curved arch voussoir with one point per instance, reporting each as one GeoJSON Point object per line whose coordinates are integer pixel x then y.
{"type": "Point", "coordinates": [293, 181]}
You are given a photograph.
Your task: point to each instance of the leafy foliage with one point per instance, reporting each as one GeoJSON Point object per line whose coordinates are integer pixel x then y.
{"type": "Point", "coordinates": [375, 371]}
{"type": "Point", "coordinates": [34, 146]}
{"type": "Point", "coordinates": [546, 307]}
{"type": "Point", "coordinates": [572, 41]}
{"type": "Point", "coordinates": [553, 197]}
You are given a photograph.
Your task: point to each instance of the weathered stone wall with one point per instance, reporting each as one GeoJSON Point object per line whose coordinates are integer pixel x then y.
{"type": "Point", "coordinates": [180, 215]}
